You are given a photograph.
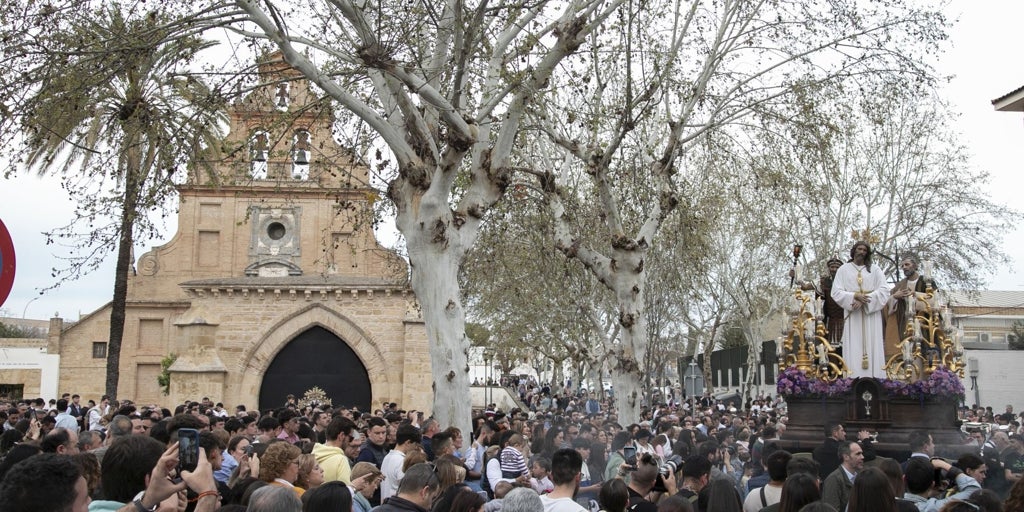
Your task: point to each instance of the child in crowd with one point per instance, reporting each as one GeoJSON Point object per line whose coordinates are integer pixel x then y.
{"type": "Point", "coordinates": [539, 471]}
{"type": "Point", "coordinates": [513, 461]}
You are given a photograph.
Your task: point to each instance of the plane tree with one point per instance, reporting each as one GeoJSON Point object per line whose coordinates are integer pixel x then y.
{"type": "Point", "coordinates": [443, 88]}
{"type": "Point", "coordinates": [665, 82]}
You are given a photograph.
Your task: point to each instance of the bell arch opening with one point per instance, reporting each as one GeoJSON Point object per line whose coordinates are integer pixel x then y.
{"type": "Point", "coordinates": [316, 357]}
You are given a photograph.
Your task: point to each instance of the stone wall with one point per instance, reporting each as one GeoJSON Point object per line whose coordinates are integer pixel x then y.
{"type": "Point", "coordinates": [226, 340]}
{"type": "Point", "coordinates": [30, 379]}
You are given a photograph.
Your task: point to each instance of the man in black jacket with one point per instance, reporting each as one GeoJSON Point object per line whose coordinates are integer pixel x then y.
{"type": "Point", "coordinates": [992, 454]}
{"type": "Point", "coordinates": [827, 455]}
{"type": "Point", "coordinates": [373, 450]}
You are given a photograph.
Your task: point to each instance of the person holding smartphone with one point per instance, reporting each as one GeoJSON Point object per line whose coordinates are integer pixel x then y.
{"type": "Point", "coordinates": [140, 474]}
{"type": "Point", "coordinates": [617, 466]}
{"type": "Point", "coordinates": [236, 451]}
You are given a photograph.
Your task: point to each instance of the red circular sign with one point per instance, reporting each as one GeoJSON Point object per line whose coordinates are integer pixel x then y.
{"type": "Point", "coordinates": [6, 263]}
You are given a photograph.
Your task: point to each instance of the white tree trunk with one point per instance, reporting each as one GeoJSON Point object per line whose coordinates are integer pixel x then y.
{"type": "Point", "coordinates": [628, 281]}
{"type": "Point", "coordinates": [435, 265]}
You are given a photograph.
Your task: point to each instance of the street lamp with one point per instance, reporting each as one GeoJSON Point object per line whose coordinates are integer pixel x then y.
{"type": "Point", "coordinates": [488, 355]}
{"type": "Point", "coordinates": [693, 384]}
{"type": "Point", "coordinates": [24, 311]}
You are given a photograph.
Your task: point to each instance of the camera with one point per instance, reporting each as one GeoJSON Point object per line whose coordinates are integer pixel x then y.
{"type": "Point", "coordinates": [671, 465]}
{"type": "Point", "coordinates": [667, 468]}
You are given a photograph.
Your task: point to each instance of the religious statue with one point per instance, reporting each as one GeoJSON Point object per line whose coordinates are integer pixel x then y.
{"type": "Point", "coordinates": [832, 313]}
{"type": "Point", "coordinates": [859, 288]}
{"type": "Point", "coordinates": [906, 298]}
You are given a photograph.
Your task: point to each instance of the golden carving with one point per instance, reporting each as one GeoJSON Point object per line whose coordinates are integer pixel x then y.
{"type": "Point", "coordinates": [805, 345]}
{"type": "Point", "coordinates": [929, 342]}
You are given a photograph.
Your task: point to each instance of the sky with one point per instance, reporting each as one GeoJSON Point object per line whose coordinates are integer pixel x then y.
{"type": "Point", "coordinates": [984, 56]}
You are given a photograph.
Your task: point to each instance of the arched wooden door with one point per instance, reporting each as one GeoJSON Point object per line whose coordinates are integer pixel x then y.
{"type": "Point", "coordinates": [317, 357]}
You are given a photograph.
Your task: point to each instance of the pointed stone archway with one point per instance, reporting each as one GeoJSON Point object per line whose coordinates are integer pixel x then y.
{"type": "Point", "coordinates": [309, 328]}
{"type": "Point", "coordinates": [319, 358]}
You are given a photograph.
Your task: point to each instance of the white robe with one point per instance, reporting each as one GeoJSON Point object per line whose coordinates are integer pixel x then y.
{"type": "Point", "coordinates": [864, 325]}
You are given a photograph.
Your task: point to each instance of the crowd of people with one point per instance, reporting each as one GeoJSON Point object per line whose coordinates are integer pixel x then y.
{"type": "Point", "coordinates": [567, 453]}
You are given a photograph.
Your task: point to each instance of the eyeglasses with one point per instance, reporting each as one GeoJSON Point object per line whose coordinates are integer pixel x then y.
{"type": "Point", "coordinates": [969, 504]}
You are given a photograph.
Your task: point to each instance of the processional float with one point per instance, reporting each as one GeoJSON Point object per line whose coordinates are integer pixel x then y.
{"type": "Point", "coordinates": [916, 394]}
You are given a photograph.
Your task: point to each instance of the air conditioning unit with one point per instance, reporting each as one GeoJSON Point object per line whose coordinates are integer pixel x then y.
{"type": "Point", "coordinates": [984, 337]}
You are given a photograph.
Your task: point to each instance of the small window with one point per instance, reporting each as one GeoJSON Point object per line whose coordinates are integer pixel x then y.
{"type": "Point", "coordinates": [276, 231]}
{"type": "Point", "coordinates": [99, 350]}
{"type": "Point", "coordinates": [12, 391]}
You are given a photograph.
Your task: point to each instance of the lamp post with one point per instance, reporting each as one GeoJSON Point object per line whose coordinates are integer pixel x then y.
{"type": "Point", "coordinates": [24, 311]}
{"type": "Point", "coordinates": [693, 384]}
{"type": "Point", "coordinates": [488, 355]}
{"type": "Point", "coordinates": [972, 372]}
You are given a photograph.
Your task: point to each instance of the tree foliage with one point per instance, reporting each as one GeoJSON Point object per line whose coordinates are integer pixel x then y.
{"type": "Point", "coordinates": [1016, 337]}
{"type": "Point", "coordinates": [888, 165]}
{"type": "Point", "coordinates": [101, 98]}
{"type": "Point", "coordinates": [164, 379]}
{"type": "Point", "coordinates": [667, 85]}
{"type": "Point", "coordinates": [535, 301]}
{"type": "Point", "coordinates": [16, 331]}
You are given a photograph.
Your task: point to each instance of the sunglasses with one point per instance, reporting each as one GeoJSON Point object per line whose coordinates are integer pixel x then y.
{"type": "Point", "coordinates": [434, 475]}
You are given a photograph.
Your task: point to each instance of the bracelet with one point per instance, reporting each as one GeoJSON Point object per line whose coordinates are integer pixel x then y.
{"type": "Point", "coordinates": [203, 495]}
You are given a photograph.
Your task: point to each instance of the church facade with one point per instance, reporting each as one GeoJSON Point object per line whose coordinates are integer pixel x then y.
{"type": "Point", "coordinates": [273, 283]}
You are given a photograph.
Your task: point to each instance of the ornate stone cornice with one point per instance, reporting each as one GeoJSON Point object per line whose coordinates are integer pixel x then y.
{"type": "Point", "coordinates": [307, 288]}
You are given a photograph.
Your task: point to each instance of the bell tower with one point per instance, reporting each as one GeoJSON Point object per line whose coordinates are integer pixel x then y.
{"type": "Point", "coordinates": [282, 165]}
{"type": "Point", "coordinates": [281, 133]}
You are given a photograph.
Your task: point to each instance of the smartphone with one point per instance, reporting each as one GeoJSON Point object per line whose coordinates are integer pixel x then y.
{"type": "Point", "coordinates": [248, 450]}
{"type": "Point", "coordinates": [629, 452]}
{"type": "Point", "coordinates": [188, 449]}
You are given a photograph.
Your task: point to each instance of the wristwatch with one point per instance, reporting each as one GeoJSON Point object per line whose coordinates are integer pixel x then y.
{"type": "Point", "coordinates": [142, 508]}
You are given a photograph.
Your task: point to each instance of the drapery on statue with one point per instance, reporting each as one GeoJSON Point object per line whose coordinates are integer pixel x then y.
{"type": "Point", "coordinates": [900, 312]}
{"type": "Point", "coordinates": [860, 289]}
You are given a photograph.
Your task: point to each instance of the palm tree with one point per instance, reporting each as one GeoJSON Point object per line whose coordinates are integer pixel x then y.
{"type": "Point", "coordinates": [113, 107]}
